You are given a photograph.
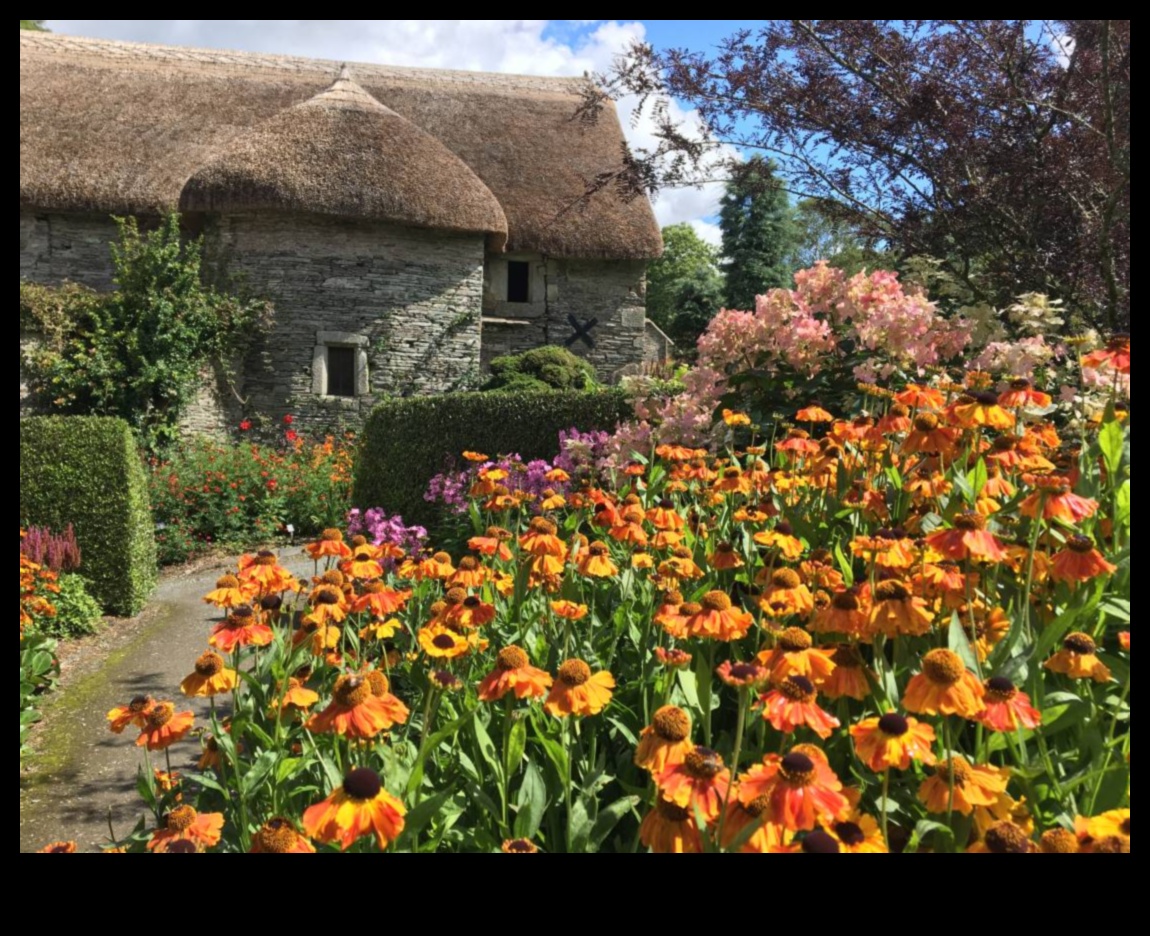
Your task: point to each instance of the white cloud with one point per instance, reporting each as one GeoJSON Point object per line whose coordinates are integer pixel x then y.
{"type": "Point", "coordinates": [514, 46]}
{"type": "Point", "coordinates": [1063, 46]}
{"type": "Point", "coordinates": [708, 231]}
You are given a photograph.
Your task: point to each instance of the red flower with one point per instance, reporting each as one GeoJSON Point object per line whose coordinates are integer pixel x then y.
{"type": "Point", "coordinates": [291, 435]}
{"type": "Point", "coordinates": [245, 425]}
{"type": "Point", "coordinates": [289, 419]}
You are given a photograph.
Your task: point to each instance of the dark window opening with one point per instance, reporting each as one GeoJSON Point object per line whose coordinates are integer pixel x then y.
{"type": "Point", "coordinates": [518, 281]}
{"type": "Point", "coordinates": [340, 371]}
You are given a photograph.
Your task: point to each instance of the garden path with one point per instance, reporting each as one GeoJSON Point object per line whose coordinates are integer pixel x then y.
{"type": "Point", "coordinates": [80, 774]}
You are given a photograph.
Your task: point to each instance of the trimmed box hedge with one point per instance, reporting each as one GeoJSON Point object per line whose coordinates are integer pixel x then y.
{"type": "Point", "coordinates": [85, 470]}
{"type": "Point", "coordinates": [408, 441]}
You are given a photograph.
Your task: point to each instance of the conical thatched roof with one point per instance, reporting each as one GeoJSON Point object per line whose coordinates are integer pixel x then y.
{"type": "Point", "coordinates": [344, 153]}
{"type": "Point", "coordinates": [115, 127]}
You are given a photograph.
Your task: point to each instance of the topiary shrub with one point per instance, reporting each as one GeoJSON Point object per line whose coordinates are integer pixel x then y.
{"type": "Point", "coordinates": [85, 470]}
{"type": "Point", "coordinates": [546, 368]}
{"type": "Point", "coordinates": [405, 442]}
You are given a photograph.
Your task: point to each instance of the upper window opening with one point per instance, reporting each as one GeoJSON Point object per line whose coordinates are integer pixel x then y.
{"type": "Point", "coordinates": [518, 281]}
{"type": "Point", "coordinates": [340, 371]}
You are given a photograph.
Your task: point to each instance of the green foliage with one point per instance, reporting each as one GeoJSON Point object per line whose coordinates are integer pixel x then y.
{"type": "Point", "coordinates": [139, 352]}
{"type": "Point", "coordinates": [208, 493]}
{"type": "Point", "coordinates": [406, 442]}
{"type": "Point", "coordinates": [696, 297]}
{"type": "Point", "coordinates": [821, 233]}
{"type": "Point", "coordinates": [686, 258]}
{"type": "Point", "coordinates": [758, 234]}
{"type": "Point", "coordinates": [548, 368]}
{"type": "Point", "coordinates": [77, 612]}
{"type": "Point", "coordinates": [39, 669]}
{"type": "Point", "coordinates": [34, 25]}
{"type": "Point", "coordinates": [86, 471]}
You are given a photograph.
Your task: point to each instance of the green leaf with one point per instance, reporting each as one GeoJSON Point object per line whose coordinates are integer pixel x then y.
{"type": "Point", "coordinates": [1110, 439]}
{"type": "Point", "coordinates": [418, 817]}
{"type": "Point", "coordinates": [609, 818]}
{"type": "Point", "coordinates": [845, 565]}
{"type": "Point", "coordinates": [486, 747]}
{"type": "Point", "coordinates": [957, 641]}
{"type": "Point", "coordinates": [578, 827]}
{"type": "Point", "coordinates": [531, 802]}
{"type": "Point", "coordinates": [516, 744]}
{"type": "Point", "coordinates": [287, 768]}
{"type": "Point", "coordinates": [436, 740]}
{"type": "Point", "coordinates": [923, 828]}
{"type": "Point", "coordinates": [977, 477]}
{"type": "Point", "coordinates": [256, 773]}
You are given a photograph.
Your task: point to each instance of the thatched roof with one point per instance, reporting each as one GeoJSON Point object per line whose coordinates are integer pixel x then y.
{"type": "Point", "coordinates": [343, 153]}
{"type": "Point", "coordinates": [122, 128]}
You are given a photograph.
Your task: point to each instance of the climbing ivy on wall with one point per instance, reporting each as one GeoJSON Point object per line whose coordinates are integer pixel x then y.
{"type": "Point", "coordinates": [137, 352]}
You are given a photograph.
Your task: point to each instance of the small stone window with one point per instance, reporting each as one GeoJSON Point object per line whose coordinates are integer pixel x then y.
{"type": "Point", "coordinates": [340, 371]}
{"type": "Point", "coordinates": [518, 281]}
{"type": "Point", "coordinates": [339, 365]}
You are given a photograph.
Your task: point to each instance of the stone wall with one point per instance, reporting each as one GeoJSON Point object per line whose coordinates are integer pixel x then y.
{"type": "Point", "coordinates": [56, 247]}
{"type": "Point", "coordinates": [613, 292]}
{"type": "Point", "coordinates": [407, 299]}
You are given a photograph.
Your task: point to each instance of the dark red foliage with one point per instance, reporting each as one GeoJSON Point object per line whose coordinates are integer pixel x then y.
{"type": "Point", "coordinates": [57, 551]}
{"type": "Point", "coordinates": [1001, 146]}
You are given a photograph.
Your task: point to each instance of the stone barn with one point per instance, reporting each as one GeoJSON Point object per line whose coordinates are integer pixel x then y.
{"type": "Point", "coordinates": [408, 224]}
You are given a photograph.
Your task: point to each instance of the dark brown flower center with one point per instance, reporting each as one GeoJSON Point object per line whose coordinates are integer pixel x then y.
{"type": "Point", "coordinates": [891, 590]}
{"type": "Point", "coordinates": [327, 595]}
{"type": "Point", "coordinates": [597, 549]}
{"type": "Point", "coordinates": [893, 724]}
{"type": "Point", "coordinates": [1000, 689]}
{"type": "Point", "coordinates": [520, 846]}
{"type": "Point", "coordinates": [333, 577]}
{"type": "Point", "coordinates": [510, 658]}
{"type": "Point", "coordinates": [1059, 842]}
{"type": "Point", "coordinates": [847, 655]}
{"type": "Point", "coordinates": [955, 767]}
{"type": "Point", "coordinates": [849, 833]}
{"type": "Point", "coordinates": [139, 703]}
{"type": "Point", "coordinates": [208, 664]}
{"type": "Point", "coordinates": [671, 723]}
{"type": "Point", "coordinates": [794, 639]}
{"type": "Point", "coordinates": [276, 836]}
{"type": "Point", "coordinates": [331, 535]}
{"type": "Point", "coordinates": [785, 578]}
{"type": "Point", "coordinates": [180, 819]}
{"type": "Point", "coordinates": [1079, 643]}
{"type": "Point", "coordinates": [161, 715]}
{"type": "Point", "coordinates": [227, 581]}
{"type": "Point", "coordinates": [743, 671]}
{"type": "Point", "coordinates": [443, 641]}
{"type": "Point", "coordinates": [377, 683]}
{"type": "Point", "coordinates": [702, 763]}
{"type": "Point", "coordinates": [362, 783]}
{"type": "Point", "coordinates": [926, 422]}
{"type": "Point", "coordinates": [1110, 845]}
{"type": "Point", "coordinates": [1079, 543]}
{"type": "Point", "coordinates": [943, 667]}
{"type": "Point", "coordinates": [716, 601]}
{"type": "Point", "coordinates": [574, 672]}
{"type": "Point", "coordinates": [442, 558]}
{"type": "Point", "coordinates": [797, 688]}
{"type": "Point", "coordinates": [350, 691]}
{"type": "Point", "coordinates": [845, 601]}
{"type": "Point", "coordinates": [1005, 838]}
{"type": "Point", "coordinates": [670, 812]}
{"type": "Point", "coordinates": [265, 557]}
{"type": "Point", "coordinates": [969, 521]}
{"type": "Point", "coordinates": [819, 842]}
{"type": "Point", "coordinates": [797, 769]}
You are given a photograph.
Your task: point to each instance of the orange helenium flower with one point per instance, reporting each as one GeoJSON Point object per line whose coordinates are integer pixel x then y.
{"type": "Point", "coordinates": [577, 691]}
{"type": "Point", "coordinates": [665, 741]}
{"type": "Point", "coordinates": [164, 726]}
{"type": "Point", "coordinates": [330, 543]}
{"type": "Point", "coordinates": [514, 673]}
{"type": "Point", "coordinates": [278, 836]}
{"type": "Point", "coordinates": [896, 611]}
{"type": "Point", "coordinates": [800, 787]}
{"type": "Point", "coordinates": [793, 653]}
{"type": "Point", "coordinates": [209, 677]}
{"type": "Point", "coordinates": [356, 711]}
{"type": "Point", "coordinates": [1079, 561]}
{"type": "Point", "coordinates": [570, 610]}
{"type": "Point", "coordinates": [1077, 659]}
{"type": "Point", "coordinates": [860, 835]}
{"type": "Point", "coordinates": [597, 563]}
{"type": "Point", "coordinates": [792, 703]}
{"type": "Point", "coordinates": [698, 781]}
{"type": "Point", "coordinates": [1007, 708]}
{"type": "Point", "coordinates": [716, 618]}
{"type": "Point", "coordinates": [944, 687]}
{"type": "Point", "coordinates": [228, 593]}
{"type": "Point", "coordinates": [442, 642]}
{"type": "Point", "coordinates": [134, 713]}
{"type": "Point", "coordinates": [360, 807]}
{"type": "Point", "coordinates": [968, 540]}
{"type": "Point", "coordinates": [241, 628]}
{"type": "Point", "coordinates": [670, 829]}
{"type": "Point", "coordinates": [849, 677]}
{"type": "Point", "coordinates": [892, 740]}
{"type": "Point", "coordinates": [786, 595]}
{"type": "Point", "coordinates": [183, 823]}
{"type": "Point", "coordinates": [973, 786]}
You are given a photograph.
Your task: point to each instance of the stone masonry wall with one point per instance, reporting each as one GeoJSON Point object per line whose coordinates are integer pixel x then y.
{"type": "Point", "coordinates": [407, 299]}
{"type": "Point", "coordinates": [611, 291]}
{"type": "Point", "coordinates": [57, 247]}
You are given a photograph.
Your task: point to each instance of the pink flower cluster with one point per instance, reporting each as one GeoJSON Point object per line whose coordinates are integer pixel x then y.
{"type": "Point", "coordinates": [803, 328]}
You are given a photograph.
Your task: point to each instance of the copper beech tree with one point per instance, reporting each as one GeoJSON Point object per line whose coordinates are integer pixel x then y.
{"type": "Point", "coordinates": [1000, 146]}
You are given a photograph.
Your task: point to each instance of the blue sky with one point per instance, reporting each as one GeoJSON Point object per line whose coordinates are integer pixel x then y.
{"type": "Point", "coordinates": [547, 47]}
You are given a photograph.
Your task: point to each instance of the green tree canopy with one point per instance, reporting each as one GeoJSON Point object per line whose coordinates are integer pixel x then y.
{"type": "Point", "coordinates": [758, 233]}
{"type": "Point", "coordinates": [685, 255]}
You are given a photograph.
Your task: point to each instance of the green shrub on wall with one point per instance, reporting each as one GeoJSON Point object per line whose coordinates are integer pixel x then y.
{"type": "Point", "coordinates": [546, 368]}
{"type": "Point", "coordinates": [406, 442]}
{"type": "Point", "coordinates": [85, 470]}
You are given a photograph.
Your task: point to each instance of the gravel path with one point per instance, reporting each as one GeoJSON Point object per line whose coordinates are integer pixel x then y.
{"type": "Point", "coordinates": [79, 773]}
